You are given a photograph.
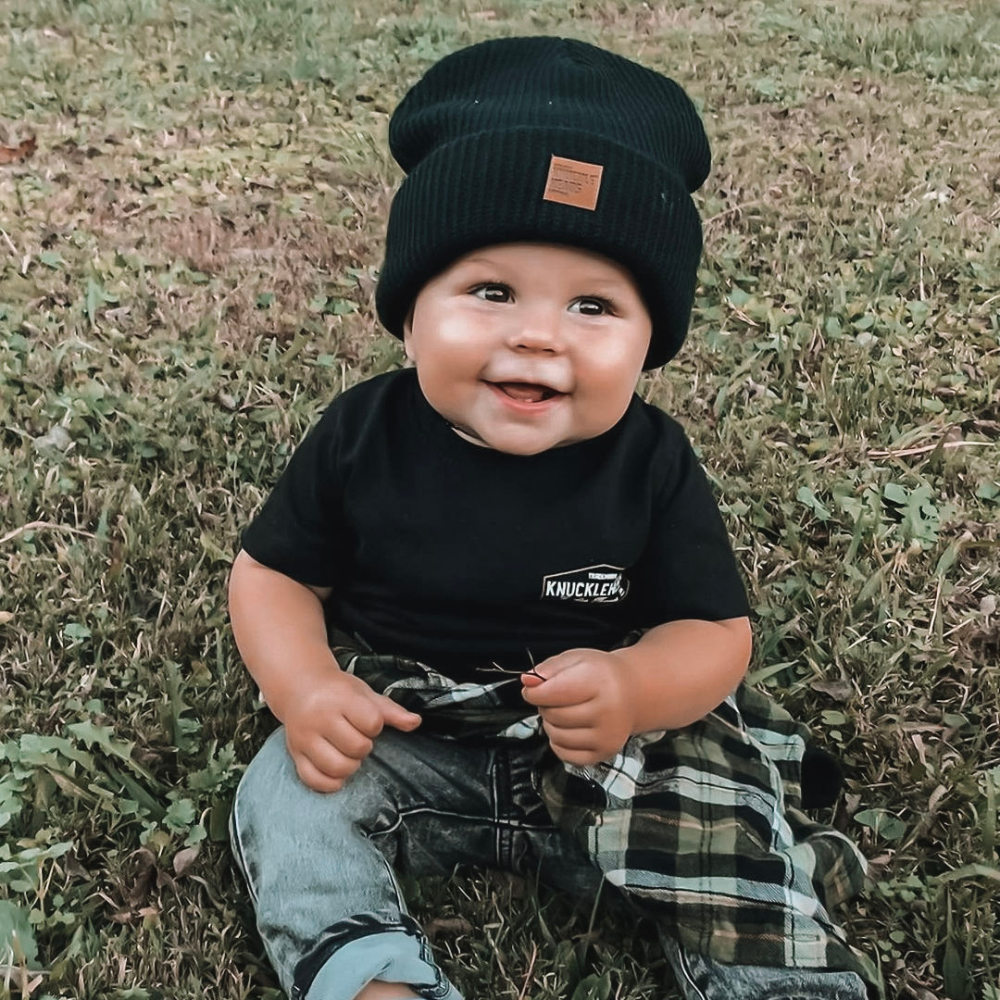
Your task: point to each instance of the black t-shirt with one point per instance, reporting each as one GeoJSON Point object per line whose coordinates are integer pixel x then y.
{"type": "Point", "coordinates": [458, 555]}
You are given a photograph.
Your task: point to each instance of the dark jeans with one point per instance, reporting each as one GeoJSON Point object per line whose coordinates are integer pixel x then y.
{"type": "Point", "coordinates": [321, 868]}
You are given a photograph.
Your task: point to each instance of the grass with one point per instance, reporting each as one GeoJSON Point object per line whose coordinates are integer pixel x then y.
{"type": "Point", "coordinates": [186, 274]}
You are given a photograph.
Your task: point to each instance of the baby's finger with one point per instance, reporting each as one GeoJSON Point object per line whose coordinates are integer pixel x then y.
{"type": "Point", "coordinates": [571, 687]}
{"type": "Point", "coordinates": [315, 779]}
{"type": "Point", "coordinates": [569, 739]}
{"type": "Point", "coordinates": [578, 757]}
{"type": "Point", "coordinates": [365, 714]}
{"type": "Point", "coordinates": [330, 761]}
{"type": "Point", "coordinates": [570, 716]}
{"type": "Point", "coordinates": [555, 665]}
{"type": "Point", "coordinates": [348, 740]}
{"type": "Point", "coordinates": [393, 714]}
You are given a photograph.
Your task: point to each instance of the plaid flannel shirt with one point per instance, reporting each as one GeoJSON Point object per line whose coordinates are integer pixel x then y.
{"type": "Point", "coordinates": [701, 826]}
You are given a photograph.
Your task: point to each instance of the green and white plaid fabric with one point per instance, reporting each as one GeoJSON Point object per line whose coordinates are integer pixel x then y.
{"type": "Point", "coordinates": [701, 827]}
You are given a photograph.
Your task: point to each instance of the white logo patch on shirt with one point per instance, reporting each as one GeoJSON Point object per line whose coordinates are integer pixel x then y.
{"type": "Point", "coordinates": [591, 585]}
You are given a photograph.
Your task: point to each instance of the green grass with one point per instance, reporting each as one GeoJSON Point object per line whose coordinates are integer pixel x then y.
{"type": "Point", "coordinates": [186, 273]}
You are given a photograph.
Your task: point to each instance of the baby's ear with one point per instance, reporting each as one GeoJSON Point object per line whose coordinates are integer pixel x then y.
{"type": "Point", "coordinates": [408, 335]}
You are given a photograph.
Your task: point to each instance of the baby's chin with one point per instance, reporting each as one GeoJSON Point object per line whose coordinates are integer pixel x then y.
{"type": "Point", "coordinates": [509, 445]}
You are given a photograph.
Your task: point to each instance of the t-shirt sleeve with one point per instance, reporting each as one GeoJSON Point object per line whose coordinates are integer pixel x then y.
{"type": "Point", "coordinates": [300, 530]}
{"type": "Point", "coordinates": [688, 569]}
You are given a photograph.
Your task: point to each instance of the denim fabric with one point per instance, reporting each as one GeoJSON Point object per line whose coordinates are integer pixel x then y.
{"type": "Point", "coordinates": [701, 978]}
{"type": "Point", "coordinates": [321, 867]}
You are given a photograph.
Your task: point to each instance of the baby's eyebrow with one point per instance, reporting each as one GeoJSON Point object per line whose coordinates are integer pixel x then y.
{"type": "Point", "coordinates": [479, 262]}
{"type": "Point", "coordinates": [599, 282]}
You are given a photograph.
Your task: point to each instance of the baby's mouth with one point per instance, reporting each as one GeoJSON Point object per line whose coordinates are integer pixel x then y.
{"type": "Point", "coordinates": [526, 392]}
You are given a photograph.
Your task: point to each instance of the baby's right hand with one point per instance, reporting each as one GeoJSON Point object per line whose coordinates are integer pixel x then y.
{"type": "Point", "coordinates": [332, 728]}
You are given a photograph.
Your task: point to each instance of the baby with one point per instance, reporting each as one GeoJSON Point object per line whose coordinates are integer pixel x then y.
{"type": "Point", "coordinates": [492, 600]}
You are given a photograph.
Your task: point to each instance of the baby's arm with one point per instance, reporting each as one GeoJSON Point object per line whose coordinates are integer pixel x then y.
{"type": "Point", "coordinates": [591, 702]}
{"type": "Point", "coordinates": [330, 717]}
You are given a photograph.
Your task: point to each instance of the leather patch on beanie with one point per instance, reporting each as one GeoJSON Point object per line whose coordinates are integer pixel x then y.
{"type": "Point", "coordinates": [573, 182]}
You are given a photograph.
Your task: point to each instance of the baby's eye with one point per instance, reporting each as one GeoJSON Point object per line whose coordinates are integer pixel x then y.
{"type": "Point", "coordinates": [493, 291]}
{"type": "Point", "coordinates": [591, 305]}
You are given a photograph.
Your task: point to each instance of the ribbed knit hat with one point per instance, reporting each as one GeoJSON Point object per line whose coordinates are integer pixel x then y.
{"type": "Point", "coordinates": [548, 140]}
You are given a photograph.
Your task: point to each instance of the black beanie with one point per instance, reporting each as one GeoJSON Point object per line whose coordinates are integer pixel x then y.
{"type": "Point", "coordinates": [548, 140]}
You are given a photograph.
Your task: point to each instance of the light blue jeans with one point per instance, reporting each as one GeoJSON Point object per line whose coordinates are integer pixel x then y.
{"type": "Point", "coordinates": [322, 868]}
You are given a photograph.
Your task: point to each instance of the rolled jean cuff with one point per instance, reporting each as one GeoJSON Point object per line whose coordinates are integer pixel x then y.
{"type": "Point", "coordinates": [392, 957]}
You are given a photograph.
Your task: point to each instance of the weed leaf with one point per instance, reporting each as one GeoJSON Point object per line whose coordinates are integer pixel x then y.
{"type": "Point", "coordinates": [882, 822]}
{"type": "Point", "coordinates": [17, 940]}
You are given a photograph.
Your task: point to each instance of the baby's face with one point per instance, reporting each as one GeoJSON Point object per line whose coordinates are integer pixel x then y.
{"type": "Point", "coordinates": [524, 347]}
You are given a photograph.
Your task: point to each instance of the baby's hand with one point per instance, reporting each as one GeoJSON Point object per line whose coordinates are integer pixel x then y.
{"type": "Point", "coordinates": [583, 702]}
{"type": "Point", "coordinates": [332, 728]}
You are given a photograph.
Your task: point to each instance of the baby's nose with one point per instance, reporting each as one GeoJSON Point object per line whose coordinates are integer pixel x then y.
{"type": "Point", "coordinates": [538, 333]}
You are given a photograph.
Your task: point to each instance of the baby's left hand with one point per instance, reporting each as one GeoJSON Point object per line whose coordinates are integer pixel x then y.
{"type": "Point", "coordinates": [584, 704]}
